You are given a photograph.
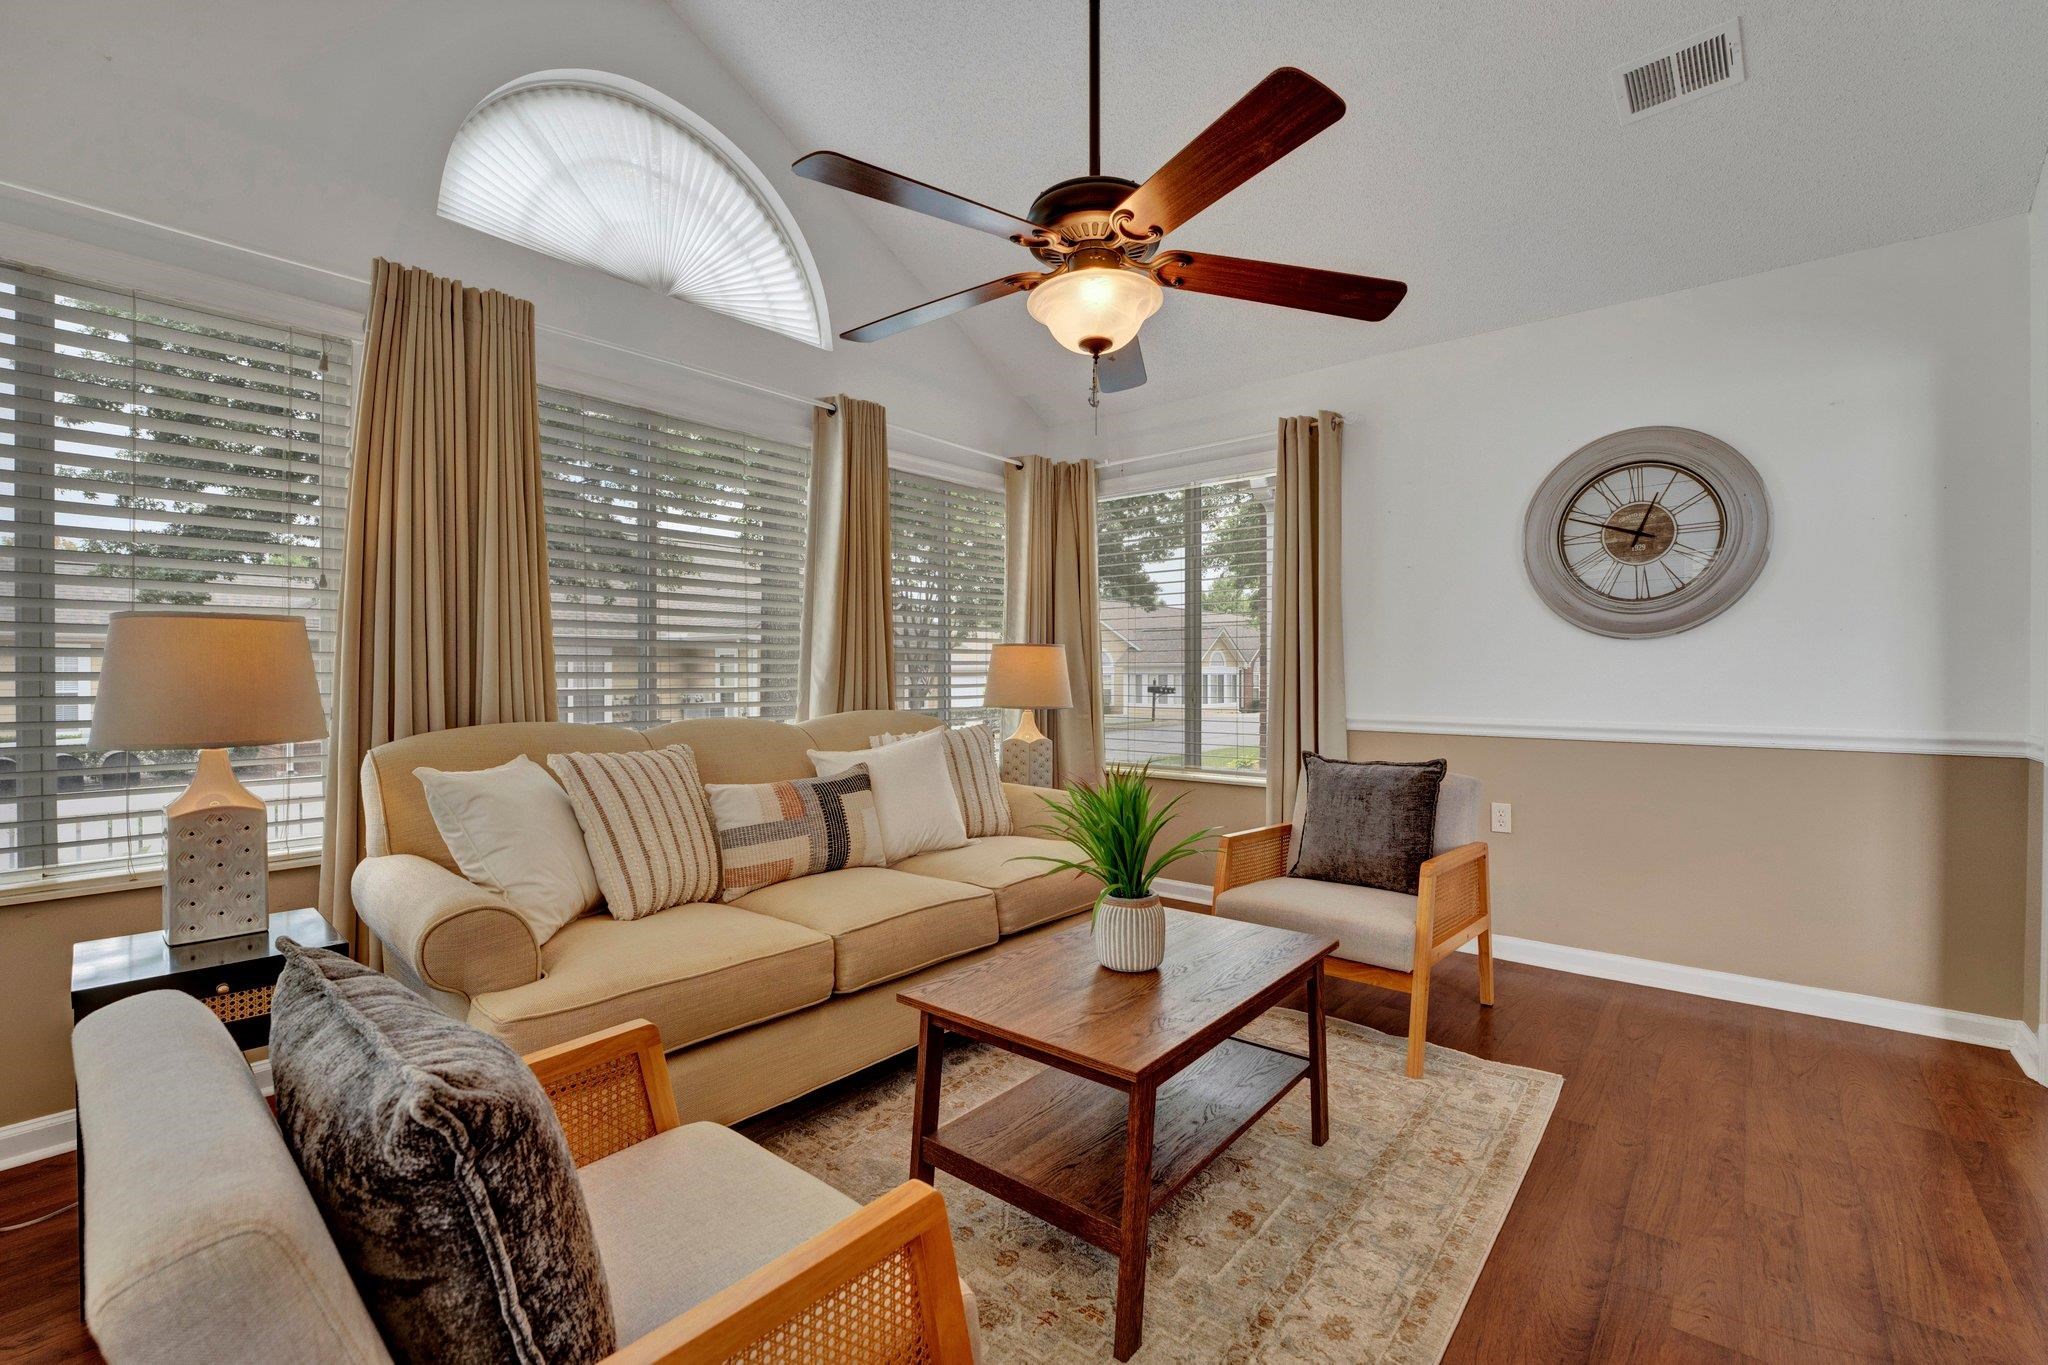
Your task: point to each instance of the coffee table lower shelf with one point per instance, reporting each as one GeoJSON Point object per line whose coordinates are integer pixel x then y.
{"type": "Point", "coordinates": [1054, 1145]}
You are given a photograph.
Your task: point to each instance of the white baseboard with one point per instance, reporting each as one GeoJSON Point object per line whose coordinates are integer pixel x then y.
{"type": "Point", "coordinates": [55, 1134]}
{"type": "Point", "coordinates": [2011, 1035]}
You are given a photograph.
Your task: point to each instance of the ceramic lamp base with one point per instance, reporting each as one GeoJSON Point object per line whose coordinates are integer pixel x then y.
{"type": "Point", "coordinates": [217, 857]}
{"type": "Point", "coordinates": [1027, 754]}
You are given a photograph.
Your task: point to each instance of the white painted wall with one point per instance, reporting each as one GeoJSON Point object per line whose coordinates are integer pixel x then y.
{"type": "Point", "coordinates": [1884, 397]}
{"type": "Point", "coordinates": [316, 131]}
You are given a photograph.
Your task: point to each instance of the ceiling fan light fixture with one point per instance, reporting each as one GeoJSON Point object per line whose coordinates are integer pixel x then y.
{"type": "Point", "coordinates": [1094, 309]}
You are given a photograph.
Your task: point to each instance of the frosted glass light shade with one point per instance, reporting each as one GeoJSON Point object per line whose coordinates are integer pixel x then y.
{"type": "Point", "coordinates": [605, 172]}
{"type": "Point", "coordinates": [1094, 309]}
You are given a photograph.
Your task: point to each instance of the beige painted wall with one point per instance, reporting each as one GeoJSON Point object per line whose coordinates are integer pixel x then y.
{"type": "Point", "coordinates": [1226, 806]}
{"type": "Point", "coordinates": [1897, 875]}
{"type": "Point", "coordinates": [35, 980]}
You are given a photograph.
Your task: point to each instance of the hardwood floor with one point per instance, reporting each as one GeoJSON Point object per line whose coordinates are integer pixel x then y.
{"type": "Point", "coordinates": [1718, 1183]}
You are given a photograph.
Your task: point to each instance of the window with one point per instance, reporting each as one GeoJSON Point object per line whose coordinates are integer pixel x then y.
{"type": "Point", "coordinates": [1184, 672]}
{"type": "Point", "coordinates": [676, 556]}
{"type": "Point", "coordinates": [946, 557]}
{"type": "Point", "coordinates": [606, 172]}
{"type": "Point", "coordinates": [150, 454]}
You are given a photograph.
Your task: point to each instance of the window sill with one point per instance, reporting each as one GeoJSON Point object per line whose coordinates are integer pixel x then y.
{"type": "Point", "coordinates": [106, 883]}
{"type": "Point", "coordinates": [1220, 779]}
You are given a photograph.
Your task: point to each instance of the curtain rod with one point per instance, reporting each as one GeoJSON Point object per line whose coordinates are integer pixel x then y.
{"type": "Point", "coordinates": [821, 404]}
{"type": "Point", "coordinates": [1197, 449]}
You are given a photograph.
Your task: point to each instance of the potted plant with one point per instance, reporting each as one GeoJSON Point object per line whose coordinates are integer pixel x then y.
{"type": "Point", "coordinates": [1115, 823]}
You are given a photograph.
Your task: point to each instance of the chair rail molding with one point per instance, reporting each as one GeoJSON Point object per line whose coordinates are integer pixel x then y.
{"type": "Point", "coordinates": [1958, 743]}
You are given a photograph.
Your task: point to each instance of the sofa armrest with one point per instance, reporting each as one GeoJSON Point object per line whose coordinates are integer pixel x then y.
{"type": "Point", "coordinates": [1251, 855]}
{"type": "Point", "coordinates": [610, 1089]}
{"type": "Point", "coordinates": [874, 1287]}
{"type": "Point", "coordinates": [451, 933]}
{"type": "Point", "coordinates": [1028, 811]}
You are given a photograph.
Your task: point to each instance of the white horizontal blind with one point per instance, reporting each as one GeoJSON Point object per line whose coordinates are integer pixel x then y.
{"type": "Point", "coordinates": [946, 559]}
{"type": "Point", "coordinates": [676, 555]}
{"type": "Point", "coordinates": [1186, 577]}
{"type": "Point", "coordinates": [151, 454]}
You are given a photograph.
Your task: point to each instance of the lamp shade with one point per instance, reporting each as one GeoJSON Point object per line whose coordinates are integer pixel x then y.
{"type": "Point", "coordinates": [205, 680]}
{"type": "Point", "coordinates": [1028, 677]}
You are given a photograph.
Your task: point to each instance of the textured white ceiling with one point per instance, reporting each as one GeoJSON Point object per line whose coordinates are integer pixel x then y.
{"type": "Point", "coordinates": [1481, 159]}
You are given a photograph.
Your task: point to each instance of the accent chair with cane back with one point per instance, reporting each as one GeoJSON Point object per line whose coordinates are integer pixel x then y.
{"type": "Point", "coordinates": [1384, 938]}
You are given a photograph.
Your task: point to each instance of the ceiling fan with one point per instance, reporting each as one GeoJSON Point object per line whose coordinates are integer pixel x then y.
{"type": "Point", "coordinates": [1101, 234]}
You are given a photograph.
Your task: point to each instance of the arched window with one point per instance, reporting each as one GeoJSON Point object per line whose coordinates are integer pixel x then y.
{"type": "Point", "coordinates": [606, 172]}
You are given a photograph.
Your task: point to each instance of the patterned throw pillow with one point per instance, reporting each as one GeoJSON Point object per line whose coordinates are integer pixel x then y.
{"type": "Point", "coordinates": [647, 823]}
{"type": "Point", "coordinates": [977, 777]}
{"type": "Point", "coordinates": [773, 831]}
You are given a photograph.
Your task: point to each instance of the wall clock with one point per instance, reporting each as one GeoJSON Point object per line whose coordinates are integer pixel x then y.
{"type": "Point", "coordinates": [1646, 532]}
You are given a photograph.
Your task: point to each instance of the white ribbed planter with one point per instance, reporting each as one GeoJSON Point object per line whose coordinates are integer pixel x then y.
{"type": "Point", "coordinates": [1130, 935]}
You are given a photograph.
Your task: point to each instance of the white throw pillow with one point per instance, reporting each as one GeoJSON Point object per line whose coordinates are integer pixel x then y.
{"type": "Point", "coordinates": [913, 793]}
{"type": "Point", "coordinates": [977, 776]}
{"type": "Point", "coordinates": [513, 831]}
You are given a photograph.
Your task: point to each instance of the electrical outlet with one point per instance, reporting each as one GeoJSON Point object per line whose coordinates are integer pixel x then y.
{"type": "Point", "coordinates": [1503, 818]}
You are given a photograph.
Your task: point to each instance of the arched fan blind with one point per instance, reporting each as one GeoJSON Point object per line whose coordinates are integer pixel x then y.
{"type": "Point", "coordinates": [605, 172]}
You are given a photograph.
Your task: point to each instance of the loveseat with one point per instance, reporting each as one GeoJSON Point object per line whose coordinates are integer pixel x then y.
{"type": "Point", "coordinates": [759, 1001]}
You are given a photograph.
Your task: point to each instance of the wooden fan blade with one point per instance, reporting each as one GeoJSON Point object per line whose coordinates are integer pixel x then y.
{"type": "Point", "coordinates": [858, 177]}
{"type": "Point", "coordinates": [1282, 111]}
{"type": "Point", "coordinates": [1121, 370]}
{"type": "Point", "coordinates": [938, 308]}
{"type": "Point", "coordinates": [1290, 286]}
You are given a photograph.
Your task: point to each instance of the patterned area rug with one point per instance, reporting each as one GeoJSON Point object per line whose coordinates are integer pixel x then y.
{"type": "Point", "coordinates": [1362, 1250]}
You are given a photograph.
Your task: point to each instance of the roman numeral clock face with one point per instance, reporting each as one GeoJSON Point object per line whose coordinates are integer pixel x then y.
{"type": "Point", "coordinates": [1641, 532]}
{"type": "Point", "coordinates": [1647, 532]}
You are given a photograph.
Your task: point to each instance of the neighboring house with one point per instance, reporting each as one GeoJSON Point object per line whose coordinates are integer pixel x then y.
{"type": "Point", "coordinates": [1143, 662]}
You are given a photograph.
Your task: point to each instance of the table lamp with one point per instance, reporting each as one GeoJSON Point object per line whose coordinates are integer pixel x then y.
{"type": "Point", "coordinates": [209, 681]}
{"type": "Point", "coordinates": [1030, 678]}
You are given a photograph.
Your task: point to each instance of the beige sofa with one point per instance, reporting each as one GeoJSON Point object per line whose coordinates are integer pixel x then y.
{"type": "Point", "coordinates": [760, 1001]}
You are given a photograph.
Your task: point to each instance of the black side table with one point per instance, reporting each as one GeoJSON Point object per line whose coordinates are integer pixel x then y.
{"type": "Point", "coordinates": [233, 977]}
{"type": "Point", "coordinates": [230, 976]}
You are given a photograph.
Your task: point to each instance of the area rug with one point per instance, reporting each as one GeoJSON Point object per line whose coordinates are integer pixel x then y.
{"type": "Point", "coordinates": [1364, 1249]}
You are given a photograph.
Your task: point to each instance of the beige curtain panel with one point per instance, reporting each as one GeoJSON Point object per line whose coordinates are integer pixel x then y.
{"type": "Point", "coordinates": [1305, 702]}
{"type": "Point", "coordinates": [1051, 597]}
{"type": "Point", "coordinates": [444, 592]}
{"type": "Point", "coordinates": [848, 656]}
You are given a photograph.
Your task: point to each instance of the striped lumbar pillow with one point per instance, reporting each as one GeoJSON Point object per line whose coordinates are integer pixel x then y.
{"type": "Point", "coordinates": [977, 777]}
{"type": "Point", "coordinates": [769, 832]}
{"type": "Point", "coordinates": [647, 823]}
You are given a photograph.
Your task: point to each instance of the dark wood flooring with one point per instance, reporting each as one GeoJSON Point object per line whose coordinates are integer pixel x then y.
{"type": "Point", "coordinates": [1718, 1183]}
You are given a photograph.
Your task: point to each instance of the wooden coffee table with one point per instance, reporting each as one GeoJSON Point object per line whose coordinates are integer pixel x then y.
{"type": "Point", "coordinates": [1064, 1145]}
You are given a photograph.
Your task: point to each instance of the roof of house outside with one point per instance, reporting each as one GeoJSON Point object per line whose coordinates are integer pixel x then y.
{"type": "Point", "coordinates": [1154, 637]}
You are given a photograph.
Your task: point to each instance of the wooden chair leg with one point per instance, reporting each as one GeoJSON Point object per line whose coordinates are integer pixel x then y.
{"type": "Point", "coordinates": [1418, 1017]}
{"type": "Point", "coordinates": [1486, 966]}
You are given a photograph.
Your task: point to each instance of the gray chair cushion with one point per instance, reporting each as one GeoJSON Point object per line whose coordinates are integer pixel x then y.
{"type": "Point", "coordinates": [1457, 814]}
{"type": "Point", "coordinates": [1370, 925]}
{"type": "Point", "coordinates": [1368, 824]}
{"type": "Point", "coordinates": [201, 1242]}
{"type": "Point", "coordinates": [440, 1168]}
{"type": "Point", "coordinates": [685, 1213]}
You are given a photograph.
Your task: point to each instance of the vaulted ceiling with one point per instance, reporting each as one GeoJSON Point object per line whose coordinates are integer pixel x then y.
{"type": "Point", "coordinates": [1482, 159]}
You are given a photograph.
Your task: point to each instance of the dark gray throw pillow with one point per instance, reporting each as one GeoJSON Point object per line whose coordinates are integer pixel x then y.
{"type": "Point", "coordinates": [1368, 824]}
{"type": "Point", "coordinates": [441, 1171]}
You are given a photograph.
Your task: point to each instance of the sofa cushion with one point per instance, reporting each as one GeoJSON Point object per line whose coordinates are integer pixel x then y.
{"type": "Point", "coordinates": [740, 748]}
{"type": "Point", "coordinates": [205, 1243]}
{"type": "Point", "coordinates": [1370, 925]}
{"type": "Point", "coordinates": [440, 1168]}
{"type": "Point", "coordinates": [1027, 892]}
{"type": "Point", "coordinates": [647, 826]}
{"type": "Point", "coordinates": [695, 971]}
{"type": "Point", "coordinates": [693, 1210]}
{"type": "Point", "coordinates": [882, 922]}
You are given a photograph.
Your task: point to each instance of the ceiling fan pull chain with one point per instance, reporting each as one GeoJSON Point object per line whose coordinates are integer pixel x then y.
{"type": "Point", "coordinates": [1095, 389]}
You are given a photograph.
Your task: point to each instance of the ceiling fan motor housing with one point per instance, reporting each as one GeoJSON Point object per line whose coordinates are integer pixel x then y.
{"type": "Point", "coordinates": [1080, 210]}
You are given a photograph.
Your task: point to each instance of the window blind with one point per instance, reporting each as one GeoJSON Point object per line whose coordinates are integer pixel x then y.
{"type": "Point", "coordinates": [1185, 579]}
{"type": "Point", "coordinates": [151, 454]}
{"type": "Point", "coordinates": [676, 557]}
{"type": "Point", "coordinates": [947, 565]}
